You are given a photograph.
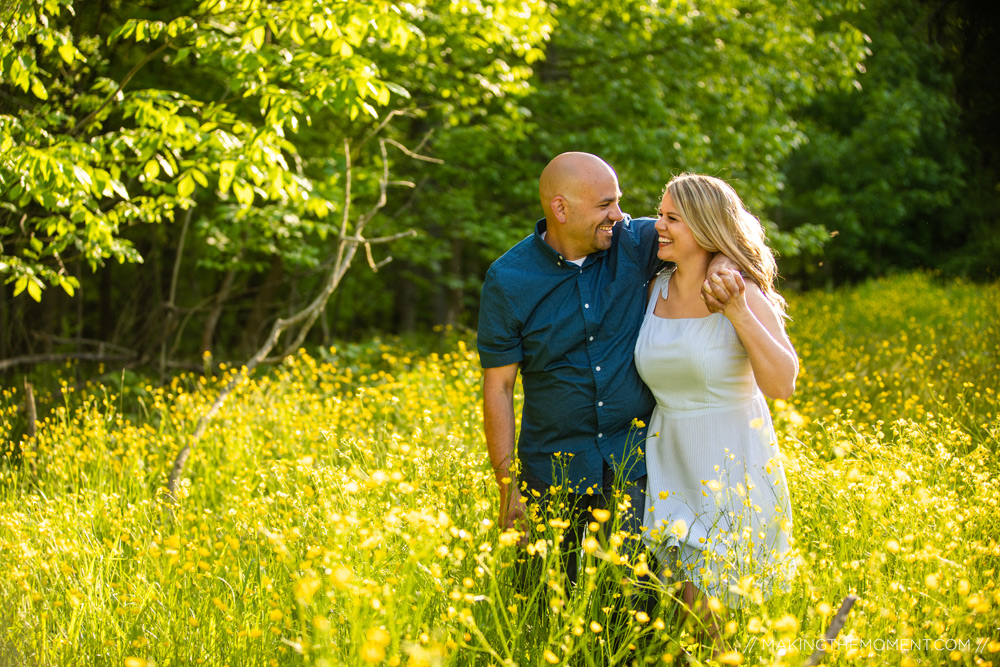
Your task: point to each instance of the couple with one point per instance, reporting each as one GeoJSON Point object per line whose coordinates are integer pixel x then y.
{"type": "Point", "coordinates": [602, 339]}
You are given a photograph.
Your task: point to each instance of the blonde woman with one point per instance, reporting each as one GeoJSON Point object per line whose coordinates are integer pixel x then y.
{"type": "Point", "coordinates": [717, 511]}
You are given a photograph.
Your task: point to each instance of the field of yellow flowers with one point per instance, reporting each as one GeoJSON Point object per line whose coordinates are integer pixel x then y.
{"type": "Point", "coordinates": [341, 511]}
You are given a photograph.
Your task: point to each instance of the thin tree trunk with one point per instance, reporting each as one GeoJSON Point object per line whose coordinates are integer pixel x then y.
{"type": "Point", "coordinates": [32, 414]}
{"type": "Point", "coordinates": [456, 295]}
{"type": "Point", "coordinates": [208, 333]}
{"type": "Point", "coordinates": [262, 303]}
{"type": "Point", "coordinates": [170, 317]}
{"type": "Point", "coordinates": [80, 322]}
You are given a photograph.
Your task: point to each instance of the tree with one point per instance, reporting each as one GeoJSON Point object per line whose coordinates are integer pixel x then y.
{"type": "Point", "coordinates": [894, 168]}
{"type": "Point", "coordinates": [223, 117]}
{"type": "Point", "coordinates": [654, 88]}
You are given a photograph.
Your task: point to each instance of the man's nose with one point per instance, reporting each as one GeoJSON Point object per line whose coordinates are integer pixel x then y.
{"type": "Point", "coordinates": [615, 213]}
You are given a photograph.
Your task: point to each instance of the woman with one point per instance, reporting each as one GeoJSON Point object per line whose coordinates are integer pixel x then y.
{"type": "Point", "coordinates": [717, 509]}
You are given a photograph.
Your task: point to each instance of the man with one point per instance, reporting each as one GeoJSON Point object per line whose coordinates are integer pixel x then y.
{"type": "Point", "coordinates": [565, 305]}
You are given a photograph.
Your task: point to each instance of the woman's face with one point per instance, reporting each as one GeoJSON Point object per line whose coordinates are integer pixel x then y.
{"type": "Point", "coordinates": [676, 242]}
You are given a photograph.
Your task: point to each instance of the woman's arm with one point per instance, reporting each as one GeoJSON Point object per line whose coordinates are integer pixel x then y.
{"type": "Point", "coordinates": [758, 324]}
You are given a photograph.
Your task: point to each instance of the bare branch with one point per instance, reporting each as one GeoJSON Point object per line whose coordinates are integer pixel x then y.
{"type": "Point", "coordinates": [380, 239]}
{"type": "Point", "coordinates": [381, 126]}
{"type": "Point", "coordinates": [101, 345]}
{"type": "Point", "coordinates": [32, 359]}
{"type": "Point", "coordinates": [411, 154]}
{"type": "Point", "coordinates": [347, 247]}
{"type": "Point", "coordinates": [836, 625]}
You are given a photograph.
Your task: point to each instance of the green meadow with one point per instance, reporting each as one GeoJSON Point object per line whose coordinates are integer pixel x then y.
{"type": "Point", "coordinates": [340, 510]}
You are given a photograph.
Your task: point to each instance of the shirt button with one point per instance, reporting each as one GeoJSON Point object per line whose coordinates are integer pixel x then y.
{"type": "Point", "coordinates": [586, 305]}
{"type": "Point", "coordinates": [600, 435]}
{"type": "Point", "coordinates": [598, 369]}
{"type": "Point", "coordinates": [600, 403]}
{"type": "Point", "coordinates": [591, 338]}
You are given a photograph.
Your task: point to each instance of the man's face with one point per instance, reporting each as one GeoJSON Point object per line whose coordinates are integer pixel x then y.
{"type": "Point", "coordinates": [592, 212]}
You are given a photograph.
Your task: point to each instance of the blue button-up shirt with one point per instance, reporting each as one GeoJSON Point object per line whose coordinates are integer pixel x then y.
{"type": "Point", "coordinates": [573, 329]}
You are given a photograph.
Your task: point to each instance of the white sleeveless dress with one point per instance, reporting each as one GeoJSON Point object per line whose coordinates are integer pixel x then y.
{"type": "Point", "coordinates": [717, 508]}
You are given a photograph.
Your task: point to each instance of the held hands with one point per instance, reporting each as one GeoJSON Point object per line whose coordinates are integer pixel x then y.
{"type": "Point", "coordinates": [725, 292]}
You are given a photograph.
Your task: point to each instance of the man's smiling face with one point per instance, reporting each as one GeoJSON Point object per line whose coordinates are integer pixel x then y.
{"type": "Point", "coordinates": [592, 212]}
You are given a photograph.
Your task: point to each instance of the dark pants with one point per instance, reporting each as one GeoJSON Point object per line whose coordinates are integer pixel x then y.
{"type": "Point", "coordinates": [578, 511]}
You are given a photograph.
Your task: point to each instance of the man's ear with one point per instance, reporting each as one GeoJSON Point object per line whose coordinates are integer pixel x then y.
{"type": "Point", "coordinates": [559, 208]}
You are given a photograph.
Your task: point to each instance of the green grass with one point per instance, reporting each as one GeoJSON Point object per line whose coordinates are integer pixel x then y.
{"type": "Point", "coordinates": [341, 510]}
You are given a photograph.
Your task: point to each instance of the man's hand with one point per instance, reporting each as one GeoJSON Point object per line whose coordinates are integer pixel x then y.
{"type": "Point", "coordinates": [513, 512]}
{"type": "Point", "coordinates": [725, 289]}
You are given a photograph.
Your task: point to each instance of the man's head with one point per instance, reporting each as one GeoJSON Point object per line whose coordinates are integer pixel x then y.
{"type": "Point", "coordinates": [579, 194]}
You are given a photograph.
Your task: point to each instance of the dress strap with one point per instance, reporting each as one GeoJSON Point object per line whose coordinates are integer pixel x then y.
{"type": "Point", "coordinates": [660, 281]}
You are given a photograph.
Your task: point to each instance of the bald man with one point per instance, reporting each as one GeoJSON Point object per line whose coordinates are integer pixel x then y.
{"type": "Point", "coordinates": [564, 307]}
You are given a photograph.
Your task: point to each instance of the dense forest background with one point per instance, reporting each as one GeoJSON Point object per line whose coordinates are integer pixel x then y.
{"type": "Point", "coordinates": [176, 176]}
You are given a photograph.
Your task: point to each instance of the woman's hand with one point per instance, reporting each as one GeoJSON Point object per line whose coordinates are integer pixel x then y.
{"type": "Point", "coordinates": [726, 290]}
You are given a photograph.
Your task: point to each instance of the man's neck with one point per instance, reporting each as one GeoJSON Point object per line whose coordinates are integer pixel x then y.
{"type": "Point", "coordinates": [552, 243]}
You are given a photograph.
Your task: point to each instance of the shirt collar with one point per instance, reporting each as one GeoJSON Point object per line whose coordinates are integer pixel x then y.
{"type": "Point", "coordinates": [550, 252]}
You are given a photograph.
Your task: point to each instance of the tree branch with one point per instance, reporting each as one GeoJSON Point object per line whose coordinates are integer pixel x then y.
{"type": "Point", "coordinates": [32, 359]}
{"type": "Point", "coordinates": [347, 247]}
{"type": "Point", "coordinates": [132, 72]}
{"type": "Point", "coordinates": [836, 625]}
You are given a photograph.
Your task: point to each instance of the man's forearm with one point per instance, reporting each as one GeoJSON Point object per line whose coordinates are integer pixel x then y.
{"type": "Point", "coordinates": [498, 414]}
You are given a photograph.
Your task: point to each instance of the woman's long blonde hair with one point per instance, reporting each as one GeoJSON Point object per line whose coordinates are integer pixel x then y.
{"type": "Point", "coordinates": [720, 223]}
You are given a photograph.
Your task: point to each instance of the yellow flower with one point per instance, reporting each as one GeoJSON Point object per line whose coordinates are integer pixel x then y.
{"type": "Point", "coordinates": [551, 657]}
{"type": "Point", "coordinates": [730, 658]}
{"type": "Point", "coordinates": [601, 515]}
{"type": "Point", "coordinates": [786, 624]}
{"type": "Point", "coordinates": [378, 636]}
{"type": "Point", "coordinates": [596, 627]}
{"type": "Point", "coordinates": [679, 528]}
{"type": "Point", "coordinates": [341, 576]}
{"type": "Point", "coordinates": [372, 653]}
{"type": "Point", "coordinates": [540, 547]}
